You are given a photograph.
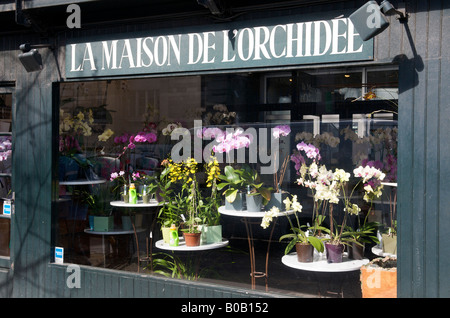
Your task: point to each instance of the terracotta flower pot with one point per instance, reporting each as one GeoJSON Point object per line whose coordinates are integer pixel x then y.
{"type": "Point", "coordinates": [192, 239]}
{"type": "Point", "coordinates": [379, 278]}
{"type": "Point", "coordinates": [305, 252]}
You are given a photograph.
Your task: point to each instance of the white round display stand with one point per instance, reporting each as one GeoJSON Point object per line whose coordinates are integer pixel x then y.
{"type": "Point", "coordinates": [320, 263]}
{"type": "Point", "coordinates": [183, 248]}
{"type": "Point", "coordinates": [139, 204]}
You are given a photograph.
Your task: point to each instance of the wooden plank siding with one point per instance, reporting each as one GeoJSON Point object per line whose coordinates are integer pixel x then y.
{"type": "Point", "coordinates": [423, 177]}
{"type": "Point", "coordinates": [423, 154]}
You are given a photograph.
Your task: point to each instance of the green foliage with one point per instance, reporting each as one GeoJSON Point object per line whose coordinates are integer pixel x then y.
{"type": "Point", "coordinates": [233, 182]}
{"type": "Point", "coordinates": [252, 180]}
{"type": "Point", "coordinates": [307, 235]}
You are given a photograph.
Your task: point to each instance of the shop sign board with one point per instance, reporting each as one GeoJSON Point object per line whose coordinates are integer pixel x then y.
{"type": "Point", "coordinates": [294, 40]}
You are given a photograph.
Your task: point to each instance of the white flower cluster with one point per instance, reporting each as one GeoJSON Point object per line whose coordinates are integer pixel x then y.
{"type": "Point", "coordinates": [324, 138]}
{"type": "Point", "coordinates": [289, 205]}
{"type": "Point", "coordinates": [220, 116]}
{"type": "Point", "coordinates": [268, 217]}
{"type": "Point", "coordinates": [294, 204]}
{"type": "Point", "coordinates": [368, 173]}
{"type": "Point", "coordinates": [170, 128]}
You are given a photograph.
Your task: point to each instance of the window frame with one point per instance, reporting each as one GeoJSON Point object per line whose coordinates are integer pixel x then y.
{"type": "Point", "coordinates": [6, 261]}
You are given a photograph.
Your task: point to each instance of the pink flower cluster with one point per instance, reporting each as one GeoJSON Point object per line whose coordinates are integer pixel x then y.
{"type": "Point", "coordinates": [281, 130]}
{"type": "Point", "coordinates": [142, 136]}
{"type": "Point", "coordinates": [5, 148]}
{"type": "Point", "coordinates": [311, 151]}
{"type": "Point", "coordinates": [298, 160]}
{"type": "Point", "coordinates": [210, 133]}
{"type": "Point", "coordinates": [227, 141]}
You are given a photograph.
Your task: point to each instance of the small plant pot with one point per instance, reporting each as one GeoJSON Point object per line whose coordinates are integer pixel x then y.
{"type": "Point", "coordinates": [192, 239]}
{"type": "Point", "coordinates": [389, 243]}
{"type": "Point", "coordinates": [103, 223]}
{"type": "Point", "coordinates": [334, 252]}
{"type": "Point", "coordinates": [305, 252]}
{"type": "Point", "coordinates": [165, 230]}
{"type": "Point", "coordinates": [276, 200]}
{"type": "Point", "coordinates": [126, 223]}
{"type": "Point", "coordinates": [254, 202]}
{"type": "Point", "coordinates": [213, 234]}
{"type": "Point", "coordinates": [355, 251]}
{"type": "Point", "coordinates": [238, 203]}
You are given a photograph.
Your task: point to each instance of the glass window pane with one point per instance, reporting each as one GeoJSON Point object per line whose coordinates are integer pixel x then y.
{"type": "Point", "coordinates": [5, 169]}
{"type": "Point", "coordinates": [121, 128]}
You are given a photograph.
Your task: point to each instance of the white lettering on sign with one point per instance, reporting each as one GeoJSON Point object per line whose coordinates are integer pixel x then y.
{"type": "Point", "coordinates": [292, 43]}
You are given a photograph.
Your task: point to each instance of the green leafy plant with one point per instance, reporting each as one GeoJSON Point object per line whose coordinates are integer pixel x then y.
{"type": "Point", "coordinates": [251, 180]}
{"type": "Point", "coordinates": [209, 204]}
{"type": "Point", "coordinates": [97, 199]}
{"type": "Point", "coordinates": [232, 181]}
{"type": "Point", "coordinates": [303, 234]}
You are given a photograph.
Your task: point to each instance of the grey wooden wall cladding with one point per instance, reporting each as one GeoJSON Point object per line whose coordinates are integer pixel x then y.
{"type": "Point", "coordinates": [420, 47]}
{"type": "Point", "coordinates": [424, 153]}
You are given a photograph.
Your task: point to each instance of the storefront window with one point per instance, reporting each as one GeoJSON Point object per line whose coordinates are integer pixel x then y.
{"type": "Point", "coordinates": [5, 172]}
{"type": "Point", "coordinates": [116, 133]}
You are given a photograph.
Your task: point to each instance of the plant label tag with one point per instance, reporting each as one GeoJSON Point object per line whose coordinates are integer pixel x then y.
{"type": "Point", "coordinates": [59, 255]}
{"type": "Point", "coordinates": [7, 207]}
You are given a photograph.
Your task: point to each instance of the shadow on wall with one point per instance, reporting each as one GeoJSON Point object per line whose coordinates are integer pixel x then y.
{"type": "Point", "coordinates": [414, 64]}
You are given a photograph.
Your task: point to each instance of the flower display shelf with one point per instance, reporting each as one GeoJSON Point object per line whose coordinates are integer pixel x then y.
{"type": "Point", "coordinates": [113, 232]}
{"type": "Point", "coordinates": [183, 248]}
{"type": "Point", "coordinates": [140, 205]}
{"type": "Point", "coordinates": [379, 252]}
{"type": "Point", "coordinates": [248, 219]}
{"type": "Point", "coordinates": [320, 264]}
{"type": "Point", "coordinates": [82, 182]}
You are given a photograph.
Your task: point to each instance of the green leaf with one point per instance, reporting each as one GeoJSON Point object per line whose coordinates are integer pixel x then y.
{"type": "Point", "coordinates": [230, 195]}
{"type": "Point", "coordinates": [221, 185]}
{"type": "Point", "coordinates": [316, 242]}
{"type": "Point", "coordinates": [265, 193]}
{"type": "Point", "coordinates": [290, 246]}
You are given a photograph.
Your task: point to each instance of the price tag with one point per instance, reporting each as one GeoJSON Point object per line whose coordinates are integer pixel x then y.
{"type": "Point", "coordinates": [7, 207]}
{"type": "Point", "coordinates": [59, 255]}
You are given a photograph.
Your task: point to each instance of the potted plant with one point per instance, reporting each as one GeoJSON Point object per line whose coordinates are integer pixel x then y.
{"type": "Point", "coordinates": [330, 187]}
{"type": "Point", "coordinates": [231, 179]}
{"type": "Point", "coordinates": [389, 238]}
{"type": "Point", "coordinates": [186, 198]}
{"type": "Point", "coordinates": [147, 185]}
{"type": "Point", "coordinates": [379, 278]}
{"type": "Point", "coordinates": [120, 185]}
{"type": "Point", "coordinates": [234, 189]}
{"type": "Point", "coordinates": [278, 195]}
{"type": "Point", "coordinates": [172, 206]}
{"type": "Point", "coordinates": [99, 207]}
{"type": "Point", "coordinates": [256, 195]}
{"type": "Point", "coordinates": [191, 233]}
{"type": "Point", "coordinates": [364, 234]}
{"type": "Point", "coordinates": [173, 203]}
{"type": "Point", "coordinates": [303, 237]}
{"type": "Point", "coordinates": [209, 205]}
